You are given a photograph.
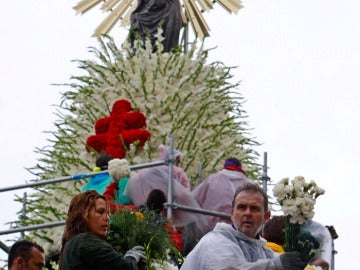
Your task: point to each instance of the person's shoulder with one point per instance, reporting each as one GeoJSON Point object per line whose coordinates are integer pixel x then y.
{"type": "Point", "coordinates": [232, 175]}
{"type": "Point", "coordinates": [87, 242]}
{"type": "Point", "coordinates": [226, 230]}
{"type": "Point", "coordinates": [217, 177]}
{"type": "Point", "coordinates": [314, 225]}
{"type": "Point", "coordinates": [85, 237]}
{"type": "Point", "coordinates": [78, 241]}
{"type": "Point", "coordinates": [77, 238]}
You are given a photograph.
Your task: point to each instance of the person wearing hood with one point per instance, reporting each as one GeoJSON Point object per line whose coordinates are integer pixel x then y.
{"type": "Point", "coordinates": [216, 192]}
{"type": "Point", "coordinates": [144, 181]}
{"type": "Point", "coordinates": [178, 172]}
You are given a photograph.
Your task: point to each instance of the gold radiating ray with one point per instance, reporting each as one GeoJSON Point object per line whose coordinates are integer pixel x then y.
{"type": "Point", "coordinates": [197, 20]}
{"type": "Point", "coordinates": [108, 5]}
{"type": "Point", "coordinates": [85, 5]}
{"type": "Point", "coordinates": [191, 11]}
{"type": "Point", "coordinates": [205, 5]}
{"type": "Point", "coordinates": [230, 5]}
{"type": "Point", "coordinates": [115, 15]}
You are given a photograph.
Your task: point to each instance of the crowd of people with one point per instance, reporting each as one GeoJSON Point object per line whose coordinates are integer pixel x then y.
{"type": "Point", "coordinates": [250, 239]}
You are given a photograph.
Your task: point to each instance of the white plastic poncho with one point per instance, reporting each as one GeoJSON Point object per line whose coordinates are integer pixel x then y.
{"type": "Point", "coordinates": [226, 248]}
{"type": "Point", "coordinates": [146, 180]}
{"type": "Point", "coordinates": [216, 194]}
{"type": "Point", "coordinates": [179, 173]}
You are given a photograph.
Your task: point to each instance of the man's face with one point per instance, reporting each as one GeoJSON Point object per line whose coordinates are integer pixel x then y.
{"type": "Point", "coordinates": [248, 214]}
{"type": "Point", "coordinates": [36, 261]}
{"type": "Point", "coordinates": [98, 220]}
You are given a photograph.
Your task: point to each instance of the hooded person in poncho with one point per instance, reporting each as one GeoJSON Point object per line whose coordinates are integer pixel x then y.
{"type": "Point", "coordinates": [216, 192]}
{"type": "Point", "coordinates": [146, 180]}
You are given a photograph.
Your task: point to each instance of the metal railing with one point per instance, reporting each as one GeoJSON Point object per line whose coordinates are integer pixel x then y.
{"type": "Point", "coordinates": [170, 205]}
{"type": "Point", "coordinates": [65, 179]}
{"type": "Point", "coordinates": [77, 177]}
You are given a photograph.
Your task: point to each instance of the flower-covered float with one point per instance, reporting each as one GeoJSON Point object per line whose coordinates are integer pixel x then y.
{"type": "Point", "coordinates": [180, 92]}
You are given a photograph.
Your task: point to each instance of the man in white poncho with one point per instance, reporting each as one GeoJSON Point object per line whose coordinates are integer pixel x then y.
{"type": "Point", "coordinates": [238, 246]}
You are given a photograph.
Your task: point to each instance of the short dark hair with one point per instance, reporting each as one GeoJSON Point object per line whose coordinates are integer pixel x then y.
{"type": "Point", "coordinates": [22, 248]}
{"type": "Point", "coordinates": [103, 161]}
{"type": "Point", "coordinates": [155, 200]}
{"type": "Point", "coordinates": [252, 187]}
{"type": "Point", "coordinates": [274, 230]}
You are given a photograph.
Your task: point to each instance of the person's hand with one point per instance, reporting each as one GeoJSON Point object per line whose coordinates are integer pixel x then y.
{"type": "Point", "coordinates": [306, 249]}
{"type": "Point", "coordinates": [137, 253]}
{"type": "Point", "coordinates": [292, 261]}
{"type": "Point", "coordinates": [306, 235]}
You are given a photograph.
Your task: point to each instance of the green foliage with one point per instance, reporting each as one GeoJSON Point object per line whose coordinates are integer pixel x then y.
{"type": "Point", "coordinates": [129, 229]}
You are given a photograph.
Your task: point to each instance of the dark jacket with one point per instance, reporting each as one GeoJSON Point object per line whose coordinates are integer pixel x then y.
{"type": "Point", "coordinates": [87, 251]}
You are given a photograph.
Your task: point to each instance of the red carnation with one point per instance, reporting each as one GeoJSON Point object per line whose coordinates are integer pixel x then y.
{"type": "Point", "coordinates": [115, 133]}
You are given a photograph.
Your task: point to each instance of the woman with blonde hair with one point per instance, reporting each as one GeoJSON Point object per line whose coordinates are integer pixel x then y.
{"type": "Point", "coordinates": [83, 243]}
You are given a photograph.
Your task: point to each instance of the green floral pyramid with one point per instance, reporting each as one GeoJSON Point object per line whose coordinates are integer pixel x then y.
{"type": "Point", "coordinates": [179, 93]}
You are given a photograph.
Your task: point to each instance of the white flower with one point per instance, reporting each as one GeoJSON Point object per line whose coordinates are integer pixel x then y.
{"type": "Point", "coordinates": [119, 168]}
{"type": "Point", "coordinates": [164, 266]}
{"type": "Point", "coordinates": [319, 191]}
{"type": "Point", "coordinates": [297, 198]}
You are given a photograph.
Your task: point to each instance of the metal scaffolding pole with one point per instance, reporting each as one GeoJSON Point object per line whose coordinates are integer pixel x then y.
{"type": "Point", "coordinates": [54, 181]}
{"type": "Point", "coordinates": [4, 247]}
{"type": "Point", "coordinates": [265, 178]}
{"type": "Point", "coordinates": [23, 213]}
{"type": "Point", "coordinates": [34, 227]}
{"type": "Point", "coordinates": [197, 210]}
{"type": "Point", "coordinates": [334, 236]}
{"type": "Point", "coordinates": [167, 205]}
{"type": "Point", "coordinates": [170, 161]}
{"type": "Point", "coordinates": [77, 177]}
{"type": "Point", "coordinates": [200, 169]}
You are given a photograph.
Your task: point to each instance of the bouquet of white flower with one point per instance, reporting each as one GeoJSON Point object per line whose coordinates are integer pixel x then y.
{"type": "Point", "coordinates": [297, 199]}
{"type": "Point", "coordinates": [118, 168]}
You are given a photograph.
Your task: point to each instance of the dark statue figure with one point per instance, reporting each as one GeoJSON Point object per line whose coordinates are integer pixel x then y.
{"type": "Point", "coordinates": [149, 15]}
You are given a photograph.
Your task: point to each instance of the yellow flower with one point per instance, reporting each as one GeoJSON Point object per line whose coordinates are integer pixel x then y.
{"type": "Point", "coordinates": [139, 215]}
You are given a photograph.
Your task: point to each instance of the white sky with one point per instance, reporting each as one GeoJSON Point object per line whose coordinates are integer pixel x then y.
{"type": "Point", "coordinates": [298, 63]}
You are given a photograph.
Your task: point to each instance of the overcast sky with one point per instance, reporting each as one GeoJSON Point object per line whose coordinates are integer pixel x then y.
{"type": "Point", "coordinates": [298, 63]}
